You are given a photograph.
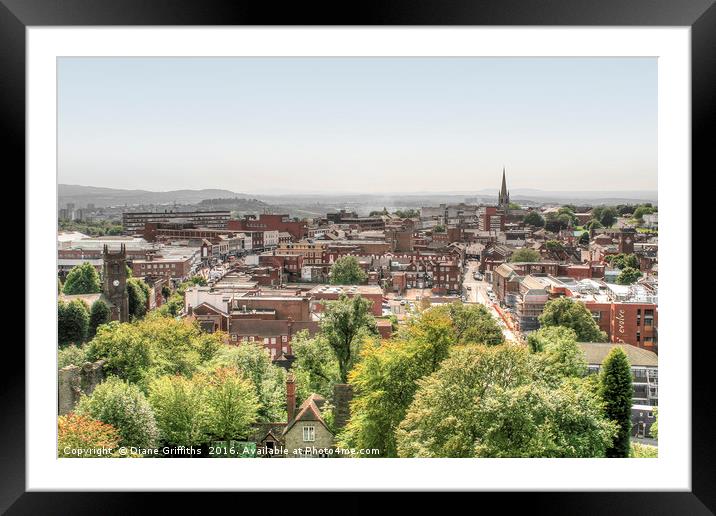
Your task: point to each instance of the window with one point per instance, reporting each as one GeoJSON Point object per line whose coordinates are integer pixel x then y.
{"type": "Point", "coordinates": [309, 433]}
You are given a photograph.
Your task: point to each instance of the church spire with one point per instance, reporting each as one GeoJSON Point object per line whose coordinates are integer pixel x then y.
{"type": "Point", "coordinates": [504, 198]}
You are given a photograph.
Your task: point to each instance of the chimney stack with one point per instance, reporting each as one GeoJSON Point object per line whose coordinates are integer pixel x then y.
{"type": "Point", "coordinates": [342, 396]}
{"type": "Point", "coordinates": [290, 397]}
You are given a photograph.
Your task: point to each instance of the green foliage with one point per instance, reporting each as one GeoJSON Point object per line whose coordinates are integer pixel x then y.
{"type": "Point", "coordinates": [315, 366]}
{"type": "Point", "coordinates": [571, 314]}
{"type": "Point", "coordinates": [384, 380]}
{"type": "Point", "coordinates": [643, 451]}
{"type": "Point", "coordinates": [472, 324]}
{"type": "Point", "coordinates": [584, 238]}
{"type": "Point", "coordinates": [92, 228]}
{"type": "Point", "coordinates": [123, 406]}
{"type": "Point", "coordinates": [654, 430]}
{"type": "Point", "coordinates": [533, 218]}
{"type": "Point", "coordinates": [99, 314]}
{"type": "Point", "coordinates": [152, 347]}
{"type": "Point", "coordinates": [558, 354]}
{"type": "Point", "coordinates": [606, 215]}
{"type": "Point", "coordinates": [641, 211]}
{"type": "Point", "coordinates": [230, 402]}
{"type": "Point", "coordinates": [347, 271]}
{"type": "Point", "coordinates": [137, 295]}
{"type": "Point", "coordinates": [628, 275]}
{"type": "Point", "coordinates": [253, 362]}
{"type": "Point", "coordinates": [487, 402]}
{"type": "Point", "coordinates": [439, 229]}
{"type": "Point", "coordinates": [71, 355]}
{"type": "Point", "coordinates": [407, 213]}
{"type": "Point", "coordinates": [72, 322]}
{"type": "Point", "coordinates": [166, 292]}
{"type": "Point", "coordinates": [621, 260]}
{"type": "Point", "coordinates": [173, 307]}
{"type": "Point", "coordinates": [179, 409]}
{"type": "Point", "coordinates": [79, 436]}
{"type": "Point", "coordinates": [617, 391]}
{"type": "Point", "coordinates": [594, 224]}
{"type": "Point", "coordinates": [345, 323]}
{"type": "Point", "coordinates": [525, 255]}
{"type": "Point", "coordinates": [82, 279]}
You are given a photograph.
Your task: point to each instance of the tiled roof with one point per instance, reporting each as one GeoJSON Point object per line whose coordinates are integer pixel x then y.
{"type": "Point", "coordinates": [596, 352]}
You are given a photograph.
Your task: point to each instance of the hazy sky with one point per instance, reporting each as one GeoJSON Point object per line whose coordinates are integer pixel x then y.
{"type": "Point", "coordinates": [278, 125]}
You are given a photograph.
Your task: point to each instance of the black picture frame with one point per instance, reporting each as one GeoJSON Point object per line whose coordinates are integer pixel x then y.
{"type": "Point", "coordinates": [700, 15]}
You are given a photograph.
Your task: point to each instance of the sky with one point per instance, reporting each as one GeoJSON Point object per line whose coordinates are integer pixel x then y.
{"type": "Point", "coordinates": [350, 125]}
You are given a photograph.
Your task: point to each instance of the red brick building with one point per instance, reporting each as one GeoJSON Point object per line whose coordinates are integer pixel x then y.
{"type": "Point", "coordinates": [270, 222]}
{"type": "Point", "coordinates": [629, 323]}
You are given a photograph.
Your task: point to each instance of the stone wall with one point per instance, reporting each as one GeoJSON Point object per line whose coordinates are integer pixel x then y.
{"type": "Point", "coordinates": [73, 381]}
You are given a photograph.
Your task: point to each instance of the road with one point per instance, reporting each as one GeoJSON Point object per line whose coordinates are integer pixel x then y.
{"type": "Point", "coordinates": [477, 293]}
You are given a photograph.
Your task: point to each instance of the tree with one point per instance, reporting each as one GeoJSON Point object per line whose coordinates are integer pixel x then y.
{"type": "Point", "coordinates": [80, 436]}
{"type": "Point", "coordinates": [534, 219]}
{"type": "Point", "coordinates": [153, 347]}
{"type": "Point", "coordinates": [641, 211]}
{"type": "Point", "coordinates": [166, 292]}
{"type": "Point", "coordinates": [525, 255]}
{"type": "Point", "coordinates": [344, 324]}
{"type": "Point", "coordinates": [99, 314]}
{"type": "Point", "coordinates": [584, 238]}
{"type": "Point", "coordinates": [621, 260]}
{"type": "Point", "coordinates": [71, 355]}
{"type": "Point", "coordinates": [558, 354]}
{"type": "Point", "coordinates": [253, 362]}
{"type": "Point", "coordinates": [643, 451]}
{"type": "Point", "coordinates": [123, 406]}
{"type": "Point", "coordinates": [439, 229]}
{"type": "Point", "coordinates": [347, 271]}
{"type": "Point", "coordinates": [486, 402]}
{"type": "Point", "coordinates": [384, 380]}
{"type": "Point", "coordinates": [72, 322]}
{"type": "Point", "coordinates": [179, 409]}
{"type": "Point", "coordinates": [137, 298]}
{"type": "Point", "coordinates": [628, 275]}
{"type": "Point", "coordinates": [82, 279]}
{"type": "Point", "coordinates": [230, 402]}
{"type": "Point", "coordinates": [593, 224]}
{"type": "Point", "coordinates": [472, 324]}
{"type": "Point", "coordinates": [315, 365]}
{"type": "Point", "coordinates": [608, 216]}
{"type": "Point", "coordinates": [554, 245]}
{"type": "Point", "coordinates": [173, 307]}
{"type": "Point", "coordinates": [571, 314]}
{"type": "Point", "coordinates": [617, 391]}
{"type": "Point", "coordinates": [654, 430]}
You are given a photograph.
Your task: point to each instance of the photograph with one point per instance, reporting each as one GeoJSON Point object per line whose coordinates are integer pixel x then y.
{"type": "Point", "coordinates": [346, 257]}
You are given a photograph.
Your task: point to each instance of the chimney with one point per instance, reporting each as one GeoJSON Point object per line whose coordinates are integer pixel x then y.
{"type": "Point", "coordinates": [342, 396]}
{"type": "Point", "coordinates": [290, 397]}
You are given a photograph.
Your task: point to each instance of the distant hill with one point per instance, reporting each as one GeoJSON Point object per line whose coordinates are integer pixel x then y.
{"type": "Point", "coordinates": [82, 195]}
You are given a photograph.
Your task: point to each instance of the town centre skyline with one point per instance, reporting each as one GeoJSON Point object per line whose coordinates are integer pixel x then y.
{"type": "Point", "coordinates": [370, 125]}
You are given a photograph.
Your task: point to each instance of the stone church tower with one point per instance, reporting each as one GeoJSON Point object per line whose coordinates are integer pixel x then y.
{"type": "Point", "coordinates": [503, 198]}
{"type": "Point", "coordinates": [114, 287]}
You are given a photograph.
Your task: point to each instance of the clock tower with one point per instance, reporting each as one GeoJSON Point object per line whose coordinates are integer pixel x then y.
{"type": "Point", "coordinates": [114, 282]}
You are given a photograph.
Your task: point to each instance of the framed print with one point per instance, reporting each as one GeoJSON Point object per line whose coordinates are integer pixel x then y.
{"type": "Point", "coordinates": [426, 237]}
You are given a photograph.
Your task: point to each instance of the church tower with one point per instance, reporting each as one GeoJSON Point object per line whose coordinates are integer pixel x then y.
{"type": "Point", "coordinates": [503, 198]}
{"type": "Point", "coordinates": [114, 286]}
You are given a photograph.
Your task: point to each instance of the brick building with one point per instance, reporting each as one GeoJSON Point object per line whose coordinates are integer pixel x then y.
{"type": "Point", "coordinates": [270, 222]}
{"type": "Point", "coordinates": [134, 222]}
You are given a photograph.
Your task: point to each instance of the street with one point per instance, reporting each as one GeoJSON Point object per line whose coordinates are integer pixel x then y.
{"type": "Point", "coordinates": [476, 291]}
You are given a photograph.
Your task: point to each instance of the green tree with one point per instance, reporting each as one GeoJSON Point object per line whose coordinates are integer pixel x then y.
{"type": "Point", "coordinates": [125, 407]}
{"type": "Point", "coordinates": [525, 255]}
{"type": "Point", "coordinates": [533, 218]}
{"type": "Point", "coordinates": [472, 324]}
{"type": "Point", "coordinates": [617, 392]}
{"type": "Point", "coordinates": [654, 430]}
{"type": "Point", "coordinates": [137, 298]}
{"type": "Point", "coordinates": [347, 271]}
{"type": "Point", "coordinates": [628, 276]}
{"type": "Point", "coordinates": [593, 224]}
{"type": "Point", "coordinates": [173, 307]}
{"type": "Point", "coordinates": [571, 314]}
{"type": "Point", "coordinates": [71, 355]}
{"type": "Point", "coordinates": [486, 402]}
{"type": "Point", "coordinates": [230, 401]}
{"type": "Point", "coordinates": [584, 238]}
{"type": "Point", "coordinates": [554, 245]}
{"type": "Point", "coordinates": [643, 451]}
{"type": "Point", "coordinates": [345, 323]}
{"type": "Point", "coordinates": [166, 292]}
{"type": "Point", "coordinates": [72, 322]}
{"type": "Point", "coordinates": [641, 211]}
{"type": "Point", "coordinates": [558, 354]}
{"type": "Point", "coordinates": [179, 410]}
{"type": "Point", "coordinates": [82, 279]}
{"type": "Point", "coordinates": [384, 380]}
{"type": "Point", "coordinates": [439, 229]}
{"type": "Point", "coordinates": [126, 350]}
{"type": "Point", "coordinates": [99, 314]}
{"type": "Point", "coordinates": [315, 366]}
{"type": "Point", "coordinates": [253, 362]}
{"type": "Point", "coordinates": [608, 216]}
{"type": "Point", "coordinates": [621, 260]}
